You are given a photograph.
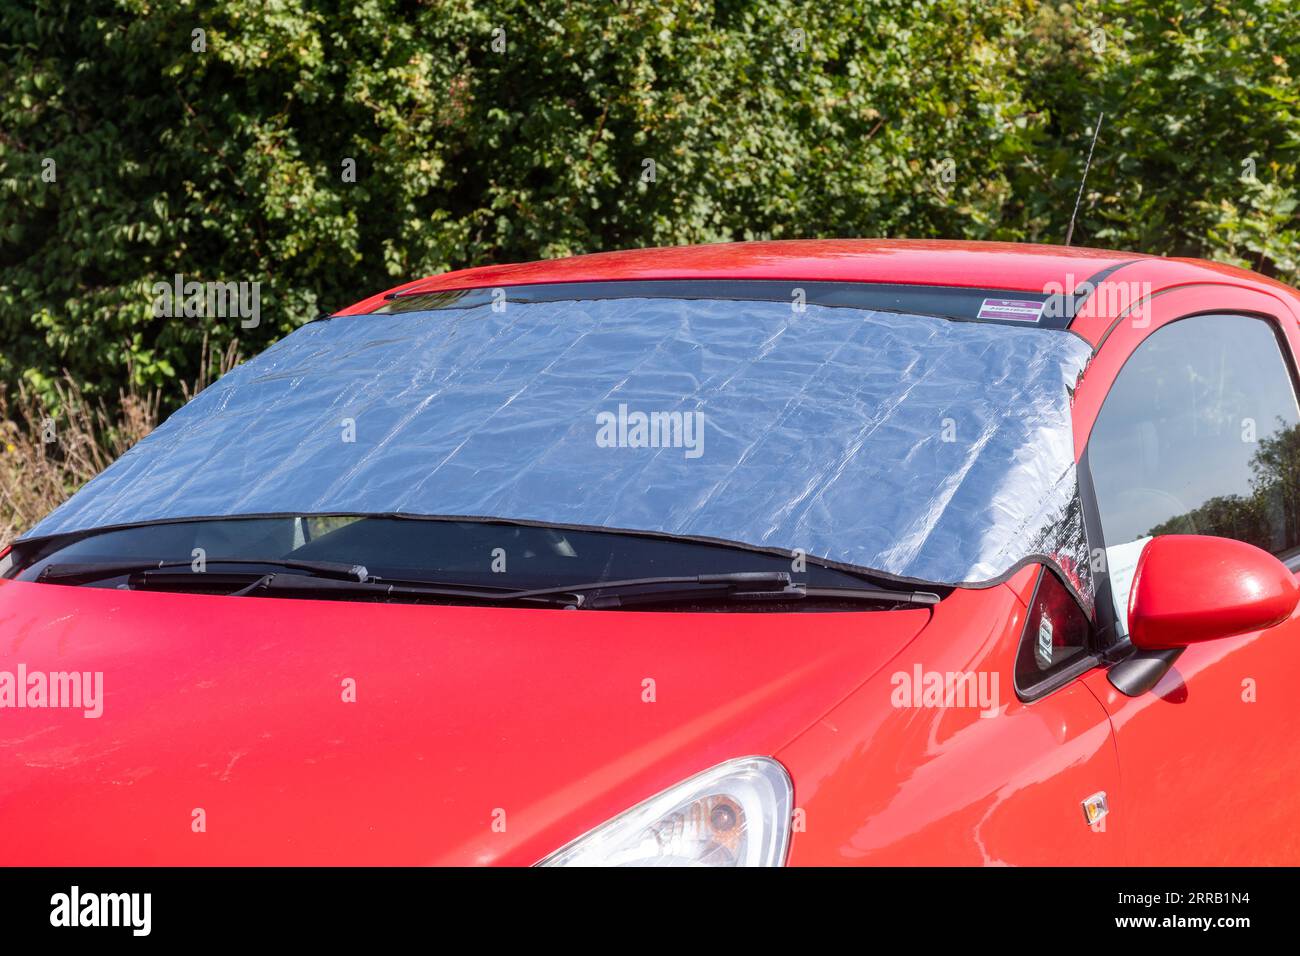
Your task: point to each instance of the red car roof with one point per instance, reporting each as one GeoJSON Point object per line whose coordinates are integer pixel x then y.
{"type": "Point", "coordinates": [984, 265]}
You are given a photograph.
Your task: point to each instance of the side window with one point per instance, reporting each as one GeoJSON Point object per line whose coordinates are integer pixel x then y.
{"type": "Point", "coordinates": [1198, 436]}
{"type": "Point", "coordinates": [1056, 637]}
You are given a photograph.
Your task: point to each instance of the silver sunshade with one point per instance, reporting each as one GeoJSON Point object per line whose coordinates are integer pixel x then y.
{"type": "Point", "coordinates": [919, 447]}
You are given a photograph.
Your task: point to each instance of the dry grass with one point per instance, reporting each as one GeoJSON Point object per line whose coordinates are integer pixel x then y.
{"type": "Point", "coordinates": [47, 453]}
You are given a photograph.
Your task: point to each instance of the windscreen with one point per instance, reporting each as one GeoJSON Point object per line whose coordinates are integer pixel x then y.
{"type": "Point", "coordinates": [924, 448]}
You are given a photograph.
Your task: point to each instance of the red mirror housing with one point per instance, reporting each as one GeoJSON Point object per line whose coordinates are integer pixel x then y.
{"type": "Point", "coordinates": [1191, 587]}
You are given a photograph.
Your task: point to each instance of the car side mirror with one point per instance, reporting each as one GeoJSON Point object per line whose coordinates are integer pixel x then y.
{"type": "Point", "coordinates": [1189, 588]}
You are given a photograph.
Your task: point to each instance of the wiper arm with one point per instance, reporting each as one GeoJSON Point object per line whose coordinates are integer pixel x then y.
{"type": "Point", "coordinates": [97, 571]}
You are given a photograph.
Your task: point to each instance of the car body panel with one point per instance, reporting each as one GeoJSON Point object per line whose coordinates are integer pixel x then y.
{"type": "Point", "coordinates": [1155, 277]}
{"type": "Point", "coordinates": [235, 705]}
{"type": "Point", "coordinates": [886, 785]}
{"type": "Point", "coordinates": [1210, 754]}
{"type": "Point", "coordinates": [1121, 337]}
{"type": "Point", "coordinates": [992, 265]}
{"type": "Point", "coordinates": [1205, 753]}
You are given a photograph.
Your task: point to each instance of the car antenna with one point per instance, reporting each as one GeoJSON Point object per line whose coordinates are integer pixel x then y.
{"type": "Point", "coordinates": [1069, 233]}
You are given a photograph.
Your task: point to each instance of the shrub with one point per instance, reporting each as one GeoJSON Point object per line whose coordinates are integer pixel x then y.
{"type": "Point", "coordinates": [47, 452]}
{"type": "Point", "coordinates": [223, 160]}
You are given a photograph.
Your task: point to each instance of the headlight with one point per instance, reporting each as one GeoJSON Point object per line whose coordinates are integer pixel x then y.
{"type": "Point", "coordinates": [737, 814]}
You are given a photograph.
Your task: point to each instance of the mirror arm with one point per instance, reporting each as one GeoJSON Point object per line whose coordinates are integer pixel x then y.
{"type": "Point", "coordinates": [1138, 673]}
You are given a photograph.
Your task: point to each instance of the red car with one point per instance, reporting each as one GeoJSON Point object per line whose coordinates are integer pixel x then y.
{"type": "Point", "coordinates": [823, 552]}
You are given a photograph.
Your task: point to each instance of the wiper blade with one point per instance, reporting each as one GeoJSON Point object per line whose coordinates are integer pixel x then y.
{"type": "Point", "coordinates": [246, 583]}
{"type": "Point", "coordinates": [756, 580]}
{"type": "Point", "coordinates": [377, 588]}
{"type": "Point", "coordinates": [793, 593]}
{"type": "Point", "coordinates": [97, 571]}
{"type": "Point", "coordinates": [302, 577]}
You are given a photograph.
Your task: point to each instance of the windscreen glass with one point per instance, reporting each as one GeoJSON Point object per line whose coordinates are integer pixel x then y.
{"type": "Point", "coordinates": [924, 448]}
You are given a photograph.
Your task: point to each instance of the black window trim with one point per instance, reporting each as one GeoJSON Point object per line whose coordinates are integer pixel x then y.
{"type": "Point", "coordinates": [955, 303]}
{"type": "Point", "coordinates": [1064, 673]}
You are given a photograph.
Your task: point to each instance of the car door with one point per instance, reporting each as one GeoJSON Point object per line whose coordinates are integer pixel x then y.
{"type": "Point", "coordinates": [1199, 433]}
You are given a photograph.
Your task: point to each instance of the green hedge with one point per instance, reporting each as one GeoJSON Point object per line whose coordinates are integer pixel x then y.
{"type": "Point", "coordinates": [949, 118]}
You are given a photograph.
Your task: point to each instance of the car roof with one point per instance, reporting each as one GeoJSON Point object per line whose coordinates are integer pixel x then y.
{"type": "Point", "coordinates": [977, 265]}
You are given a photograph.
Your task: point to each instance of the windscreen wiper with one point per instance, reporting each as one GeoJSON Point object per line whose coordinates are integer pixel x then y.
{"type": "Point", "coordinates": [303, 578]}
{"type": "Point", "coordinates": [379, 588]}
{"type": "Point", "coordinates": [152, 577]}
{"type": "Point", "coordinates": [97, 571]}
{"type": "Point", "coordinates": [325, 579]}
{"type": "Point", "coordinates": [746, 586]}
{"type": "Point", "coordinates": [734, 586]}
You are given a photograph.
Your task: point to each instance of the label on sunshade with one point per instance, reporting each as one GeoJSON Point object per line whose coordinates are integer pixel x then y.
{"type": "Point", "coordinates": [1017, 310]}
